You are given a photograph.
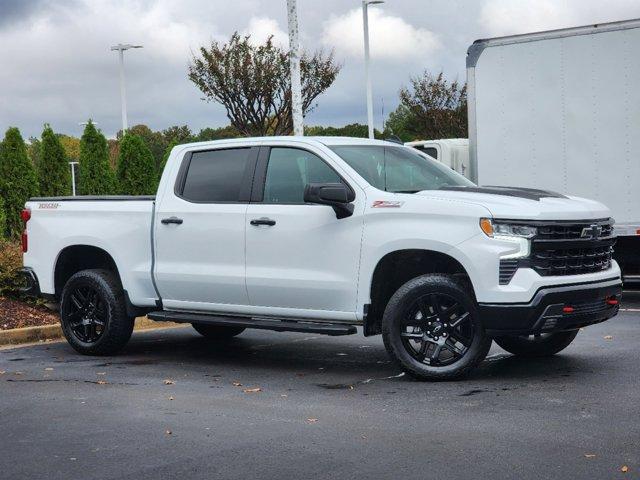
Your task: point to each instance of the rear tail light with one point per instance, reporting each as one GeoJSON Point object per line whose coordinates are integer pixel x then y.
{"type": "Point", "coordinates": [612, 301]}
{"type": "Point", "coordinates": [26, 216]}
{"type": "Point", "coordinates": [568, 310]}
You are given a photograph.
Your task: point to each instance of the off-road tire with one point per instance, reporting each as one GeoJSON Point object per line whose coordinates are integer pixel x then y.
{"type": "Point", "coordinates": [544, 346]}
{"type": "Point", "coordinates": [118, 326]}
{"type": "Point", "coordinates": [409, 293]}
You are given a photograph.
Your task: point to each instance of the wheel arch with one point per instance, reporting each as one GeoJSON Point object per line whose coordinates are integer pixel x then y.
{"type": "Point", "coordinates": [396, 268]}
{"type": "Point", "coordinates": [74, 258]}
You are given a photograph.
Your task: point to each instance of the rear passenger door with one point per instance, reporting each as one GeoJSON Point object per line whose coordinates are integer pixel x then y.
{"type": "Point", "coordinates": [200, 231]}
{"type": "Point", "coordinates": [301, 260]}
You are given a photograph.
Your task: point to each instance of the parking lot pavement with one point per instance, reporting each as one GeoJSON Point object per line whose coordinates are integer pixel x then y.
{"type": "Point", "coordinates": [173, 405]}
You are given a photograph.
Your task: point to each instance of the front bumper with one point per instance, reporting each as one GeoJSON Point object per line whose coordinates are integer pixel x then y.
{"type": "Point", "coordinates": [553, 309]}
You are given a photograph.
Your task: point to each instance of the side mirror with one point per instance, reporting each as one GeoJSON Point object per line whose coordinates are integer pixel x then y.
{"type": "Point", "coordinates": [336, 195]}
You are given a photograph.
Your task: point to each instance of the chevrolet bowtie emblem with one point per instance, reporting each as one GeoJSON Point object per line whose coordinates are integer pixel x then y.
{"type": "Point", "coordinates": [594, 231]}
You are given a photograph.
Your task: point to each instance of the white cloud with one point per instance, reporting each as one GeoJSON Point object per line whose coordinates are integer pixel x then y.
{"type": "Point", "coordinates": [391, 37]}
{"type": "Point", "coordinates": [507, 17]}
{"type": "Point", "coordinates": [261, 28]}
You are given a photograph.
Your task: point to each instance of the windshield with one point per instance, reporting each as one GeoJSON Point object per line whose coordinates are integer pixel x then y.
{"type": "Point", "coordinates": [398, 169]}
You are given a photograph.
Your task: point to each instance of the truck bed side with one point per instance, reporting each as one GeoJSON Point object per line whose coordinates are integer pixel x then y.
{"type": "Point", "coordinates": [68, 229]}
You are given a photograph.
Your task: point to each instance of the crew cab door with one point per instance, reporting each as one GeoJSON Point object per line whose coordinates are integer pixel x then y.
{"type": "Point", "coordinates": [199, 231]}
{"type": "Point", "coordinates": [301, 260]}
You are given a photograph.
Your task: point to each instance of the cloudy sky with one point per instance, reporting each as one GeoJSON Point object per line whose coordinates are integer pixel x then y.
{"type": "Point", "coordinates": [56, 65]}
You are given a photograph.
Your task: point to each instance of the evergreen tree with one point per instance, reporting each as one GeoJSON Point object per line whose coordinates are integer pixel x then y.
{"type": "Point", "coordinates": [136, 167]}
{"type": "Point", "coordinates": [53, 169]}
{"type": "Point", "coordinates": [95, 176]}
{"type": "Point", "coordinates": [18, 180]}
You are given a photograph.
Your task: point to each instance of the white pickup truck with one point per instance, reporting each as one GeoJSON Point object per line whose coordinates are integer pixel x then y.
{"type": "Point", "coordinates": [323, 235]}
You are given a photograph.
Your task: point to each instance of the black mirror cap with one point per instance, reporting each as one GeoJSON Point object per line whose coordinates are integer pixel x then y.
{"type": "Point", "coordinates": [336, 195]}
{"type": "Point", "coordinates": [328, 193]}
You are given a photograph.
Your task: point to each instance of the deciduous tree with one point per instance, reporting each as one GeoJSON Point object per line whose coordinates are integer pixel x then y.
{"type": "Point", "coordinates": [430, 108]}
{"type": "Point", "coordinates": [253, 83]}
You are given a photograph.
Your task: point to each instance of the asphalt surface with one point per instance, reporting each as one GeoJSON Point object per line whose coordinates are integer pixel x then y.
{"type": "Point", "coordinates": [171, 406]}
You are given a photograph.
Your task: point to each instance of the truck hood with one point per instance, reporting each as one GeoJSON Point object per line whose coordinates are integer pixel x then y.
{"type": "Point", "coordinates": [523, 204]}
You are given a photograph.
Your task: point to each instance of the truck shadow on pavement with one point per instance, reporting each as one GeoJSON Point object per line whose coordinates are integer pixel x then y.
{"type": "Point", "coordinates": [342, 361]}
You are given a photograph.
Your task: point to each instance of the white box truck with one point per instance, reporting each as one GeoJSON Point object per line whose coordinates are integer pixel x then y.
{"type": "Point", "coordinates": [453, 152]}
{"type": "Point", "coordinates": [560, 111]}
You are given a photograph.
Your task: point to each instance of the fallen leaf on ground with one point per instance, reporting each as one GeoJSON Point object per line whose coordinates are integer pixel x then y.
{"type": "Point", "coordinates": [252, 390]}
{"type": "Point", "coordinates": [167, 432]}
{"type": "Point", "coordinates": [2, 372]}
{"type": "Point", "coordinates": [49, 369]}
{"type": "Point", "coordinates": [283, 395]}
{"type": "Point", "coordinates": [170, 398]}
{"type": "Point", "coordinates": [589, 455]}
{"type": "Point", "coordinates": [624, 469]}
{"type": "Point", "coordinates": [169, 382]}
{"type": "Point", "coordinates": [608, 337]}
{"type": "Point", "coordinates": [312, 420]}
{"type": "Point", "coordinates": [236, 384]}
{"type": "Point", "coordinates": [101, 373]}
{"type": "Point", "coordinates": [101, 382]}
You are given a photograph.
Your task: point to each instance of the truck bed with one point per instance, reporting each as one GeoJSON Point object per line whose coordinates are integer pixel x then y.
{"type": "Point", "coordinates": [118, 225]}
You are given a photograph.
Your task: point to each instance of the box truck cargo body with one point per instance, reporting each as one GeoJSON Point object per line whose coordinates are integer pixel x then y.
{"type": "Point", "coordinates": [560, 110]}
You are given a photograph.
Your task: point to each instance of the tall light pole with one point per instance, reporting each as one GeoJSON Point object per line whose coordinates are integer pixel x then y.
{"type": "Point", "coordinates": [294, 61]}
{"type": "Point", "coordinates": [123, 96]}
{"type": "Point", "coordinates": [73, 177]}
{"type": "Point", "coordinates": [365, 20]}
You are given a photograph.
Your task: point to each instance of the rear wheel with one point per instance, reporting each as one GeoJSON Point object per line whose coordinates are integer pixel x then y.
{"type": "Point", "coordinates": [93, 313]}
{"type": "Point", "coordinates": [432, 330]}
{"type": "Point", "coordinates": [216, 332]}
{"type": "Point", "coordinates": [540, 345]}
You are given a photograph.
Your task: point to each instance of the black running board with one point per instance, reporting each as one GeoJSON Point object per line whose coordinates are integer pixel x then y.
{"type": "Point", "coordinates": [279, 325]}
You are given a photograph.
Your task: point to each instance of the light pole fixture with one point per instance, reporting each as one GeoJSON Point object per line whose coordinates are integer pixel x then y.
{"type": "Point", "coordinates": [120, 48]}
{"type": "Point", "coordinates": [365, 20]}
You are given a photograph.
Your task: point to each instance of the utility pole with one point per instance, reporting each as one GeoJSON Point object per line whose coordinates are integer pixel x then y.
{"type": "Point", "coordinates": [365, 21]}
{"type": "Point", "coordinates": [120, 48]}
{"type": "Point", "coordinates": [294, 61]}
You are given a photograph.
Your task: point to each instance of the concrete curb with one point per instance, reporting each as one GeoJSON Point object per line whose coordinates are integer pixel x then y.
{"type": "Point", "coordinates": [17, 336]}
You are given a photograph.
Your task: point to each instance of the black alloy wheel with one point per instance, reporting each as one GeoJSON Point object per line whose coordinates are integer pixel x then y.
{"type": "Point", "coordinates": [437, 330]}
{"type": "Point", "coordinates": [432, 330]}
{"type": "Point", "coordinates": [85, 314]}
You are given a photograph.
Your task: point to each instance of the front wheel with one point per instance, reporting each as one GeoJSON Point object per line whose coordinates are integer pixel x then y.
{"type": "Point", "coordinates": [432, 330]}
{"type": "Point", "coordinates": [540, 345]}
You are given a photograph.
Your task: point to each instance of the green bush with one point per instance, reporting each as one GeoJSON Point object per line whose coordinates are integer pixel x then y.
{"type": "Point", "coordinates": [95, 176]}
{"type": "Point", "coordinates": [53, 169]}
{"type": "Point", "coordinates": [10, 263]}
{"type": "Point", "coordinates": [136, 167]}
{"type": "Point", "coordinates": [18, 180]}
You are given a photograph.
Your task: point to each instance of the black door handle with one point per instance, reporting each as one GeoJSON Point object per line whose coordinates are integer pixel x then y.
{"type": "Point", "coordinates": [263, 221]}
{"type": "Point", "coordinates": [167, 221]}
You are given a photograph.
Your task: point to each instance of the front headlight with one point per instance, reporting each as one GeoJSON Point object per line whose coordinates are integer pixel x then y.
{"type": "Point", "coordinates": [516, 234]}
{"type": "Point", "coordinates": [497, 229]}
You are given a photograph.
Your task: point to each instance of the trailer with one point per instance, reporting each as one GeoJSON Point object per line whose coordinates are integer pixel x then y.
{"type": "Point", "coordinates": [560, 110]}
